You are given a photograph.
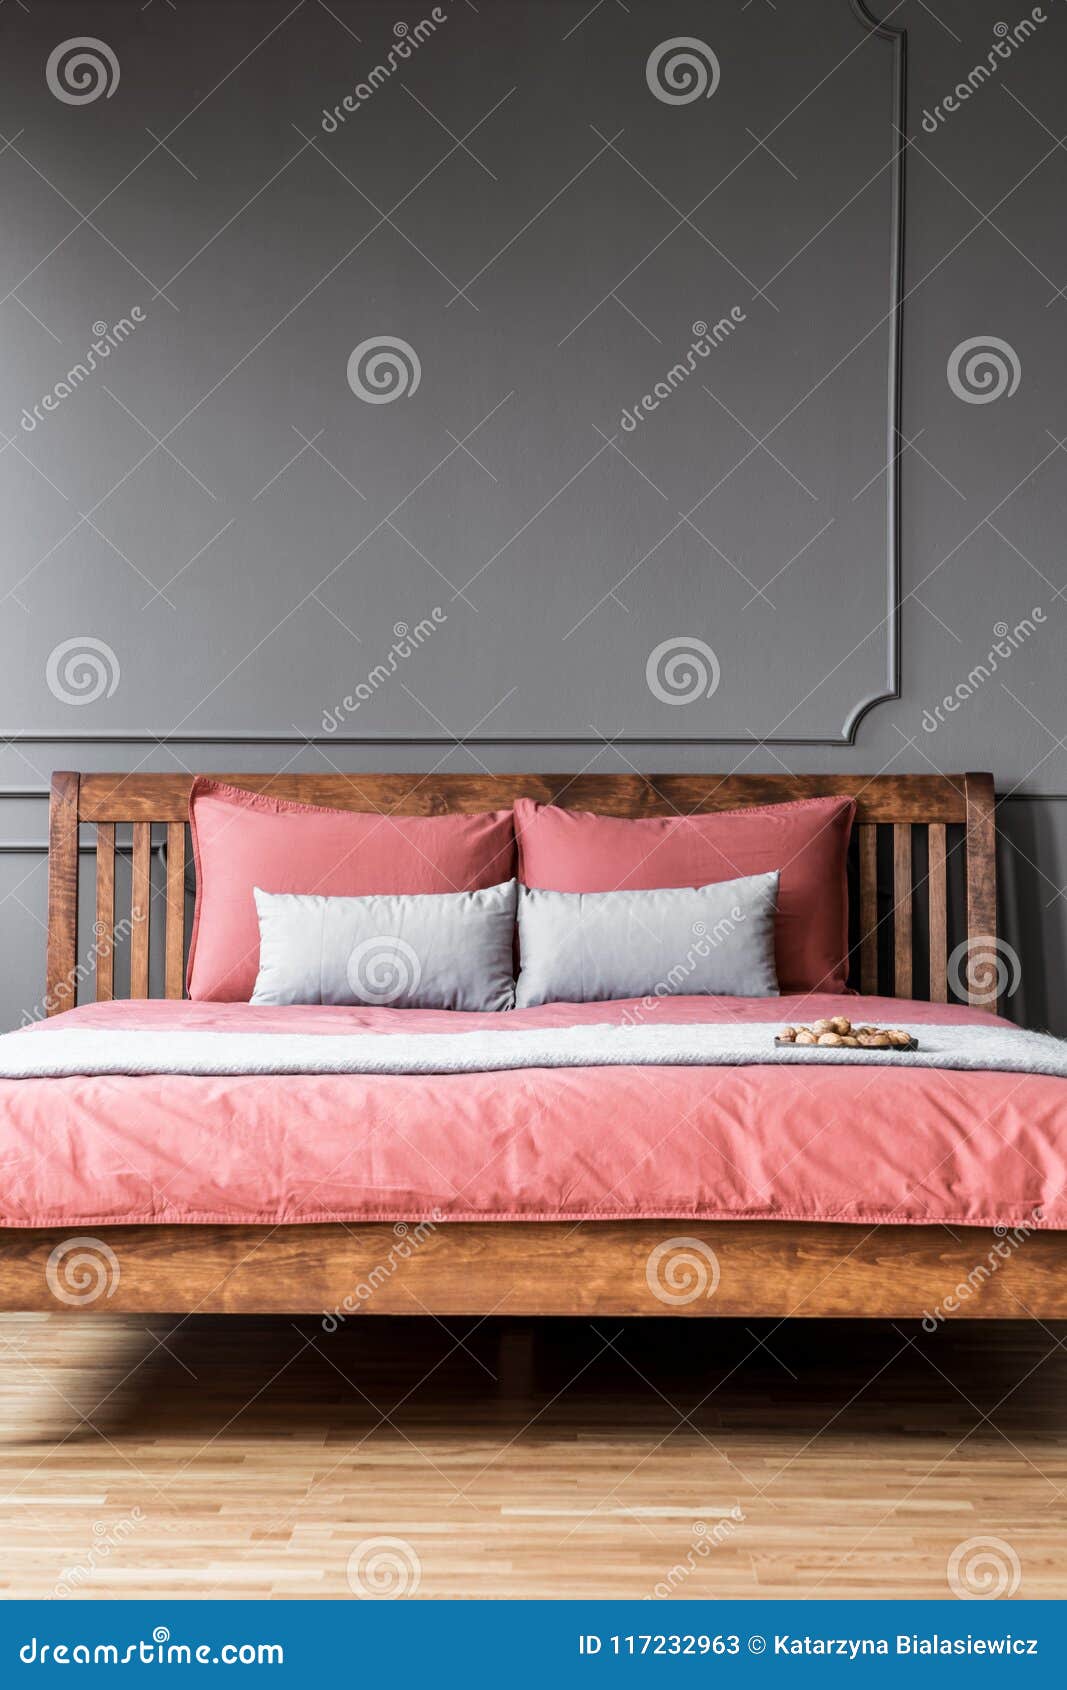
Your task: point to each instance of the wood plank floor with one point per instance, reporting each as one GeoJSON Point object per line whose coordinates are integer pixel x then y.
{"type": "Point", "coordinates": [265, 1457]}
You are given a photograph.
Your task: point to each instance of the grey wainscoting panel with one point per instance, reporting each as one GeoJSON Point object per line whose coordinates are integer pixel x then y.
{"type": "Point", "coordinates": [554, 345]}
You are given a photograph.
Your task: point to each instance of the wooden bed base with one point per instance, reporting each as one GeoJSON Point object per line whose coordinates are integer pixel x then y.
{"type": "Point", "coordinates": [753, 1269]}
{"type": "Point", "coordinates": [922, 880]}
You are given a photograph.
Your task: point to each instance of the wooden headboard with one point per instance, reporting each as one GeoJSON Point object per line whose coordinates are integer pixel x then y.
{"type": "Point", "coordinates": [923, 865]}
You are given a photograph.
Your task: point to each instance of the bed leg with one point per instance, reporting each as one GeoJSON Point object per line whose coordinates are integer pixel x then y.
{"type": "Point", "coordinates": [516, 1359]}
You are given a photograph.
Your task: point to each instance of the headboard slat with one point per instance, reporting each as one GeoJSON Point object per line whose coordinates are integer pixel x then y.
{"type": "Point", "coordinates": [105, 911]}
{"type": "Point", "coordinates": [140, 907]}
{"type": "Point", "coordinates": [175, 960]}
{"type": "Point", "coordinates": [61, 963]}
{"type": "Point", "coordinates": [937, 870]}
{"type": "Point", "coordinates": [868, 833]}
{"type": "Point", "coordinates": [981, 885]}
{"type": "Point", "coordinates": [902, 910]}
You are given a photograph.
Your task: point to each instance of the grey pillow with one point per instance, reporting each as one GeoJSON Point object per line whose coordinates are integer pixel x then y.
{"type": "Point", "coordinates": [444, 950]}
{"type": "Point", "coordinates": [583, 947]}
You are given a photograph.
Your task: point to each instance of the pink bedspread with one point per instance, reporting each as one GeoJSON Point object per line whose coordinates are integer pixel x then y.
{"type": "Point", "coordinates": [834, 1144]}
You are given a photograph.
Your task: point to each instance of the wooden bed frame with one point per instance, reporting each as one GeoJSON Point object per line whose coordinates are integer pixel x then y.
{"type": "Point", "coordinates": [923, 875]}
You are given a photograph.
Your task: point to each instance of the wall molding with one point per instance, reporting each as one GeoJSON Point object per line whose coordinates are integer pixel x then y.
{"type": "Point", "coordinates": [898, 39]}
{"type": "Point", "coordinates": [890, 689]}
{"type": "Point", "coordinates": [31, 736]}
{"type": "Point", "coordinates": [35, 847]}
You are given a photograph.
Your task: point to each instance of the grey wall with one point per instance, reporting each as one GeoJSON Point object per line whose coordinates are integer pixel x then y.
{"type": "Point", "coordinates": [533, 286]}
{"type": "Point", "coordinates": [241, 581]}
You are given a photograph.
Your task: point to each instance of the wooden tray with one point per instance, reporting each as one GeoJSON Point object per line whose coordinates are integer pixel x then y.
{"type": "Point", "coordinates": [893, 1050]}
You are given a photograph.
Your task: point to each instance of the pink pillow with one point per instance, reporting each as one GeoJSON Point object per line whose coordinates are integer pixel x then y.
{"type": "Point", "coordinates": [807, 841]}
{"type": "Point", "coordinates": [246, 839]}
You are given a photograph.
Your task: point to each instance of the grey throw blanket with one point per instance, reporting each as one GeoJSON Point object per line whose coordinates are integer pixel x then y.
{"type": "Point", "coordinates": [44, 1053]}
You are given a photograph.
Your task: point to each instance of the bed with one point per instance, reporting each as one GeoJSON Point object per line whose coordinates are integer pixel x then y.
{"type": "Point", "coordinates": [680, 1184]}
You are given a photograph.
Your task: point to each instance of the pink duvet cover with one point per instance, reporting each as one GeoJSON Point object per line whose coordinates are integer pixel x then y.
{"type": "Point", "coordinates": [755, 1143]}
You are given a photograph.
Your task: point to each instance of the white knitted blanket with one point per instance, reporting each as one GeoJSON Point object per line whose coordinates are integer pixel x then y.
{"type": "Point", "coordinates": [64, 1052]}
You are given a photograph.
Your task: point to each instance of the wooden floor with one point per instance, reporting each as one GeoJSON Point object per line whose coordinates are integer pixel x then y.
{"type": "Point", "coordinates": [262, 1457]}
